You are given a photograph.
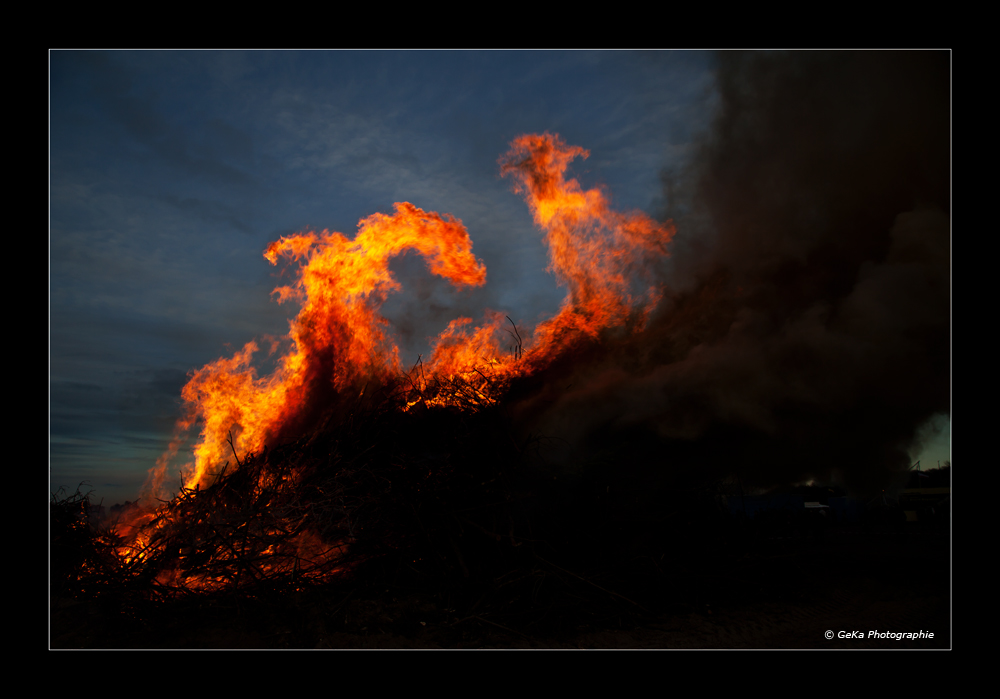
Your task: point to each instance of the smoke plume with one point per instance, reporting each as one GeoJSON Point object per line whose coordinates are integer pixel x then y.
{"type": "Point", "coordinates": [805, 329]}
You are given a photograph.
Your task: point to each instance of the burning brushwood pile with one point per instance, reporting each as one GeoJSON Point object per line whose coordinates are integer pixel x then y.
{"type": "Point", "coordinates": [340, 456]}
{"type": "Point", "coordinates": [313, 509]}
{"type": "Point", "coordinates": [804, 334]}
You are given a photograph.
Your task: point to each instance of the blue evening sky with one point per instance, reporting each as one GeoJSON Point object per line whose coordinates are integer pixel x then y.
{"type": "Point", "coordinates": [171, 171]}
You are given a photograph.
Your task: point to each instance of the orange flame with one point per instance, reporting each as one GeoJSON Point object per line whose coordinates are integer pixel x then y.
{"type": "Point", "coordinates": [599, 254]}
{"type": "Point", "coordinates": [339, 340]}
{"type": "Point", "coordinates": [339, 343]}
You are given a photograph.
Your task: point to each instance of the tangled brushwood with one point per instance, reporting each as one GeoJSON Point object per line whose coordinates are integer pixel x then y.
{"type": "Point", "coordinates": [793, 326]}
{"type": "Point", "coordinates": [393, 479]}
{"type": "Point", "coordinates": [441, 499]}
{"type": "Point", "coordinates": [418, 457]}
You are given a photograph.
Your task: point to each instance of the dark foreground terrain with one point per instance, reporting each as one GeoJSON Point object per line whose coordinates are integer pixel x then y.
{"type": "Point", "coordinates": [764, 592]}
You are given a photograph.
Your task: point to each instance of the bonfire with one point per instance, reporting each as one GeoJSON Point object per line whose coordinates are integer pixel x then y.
{"type": "Point", "coordinates": [343, 458]}
{"type": "Point", "coordinates": [593, 471]}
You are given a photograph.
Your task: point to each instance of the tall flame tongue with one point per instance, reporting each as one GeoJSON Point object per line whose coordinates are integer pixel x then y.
{"type": "Point", "coordinates": [338, 338]}
{"type": "Point", "coordinates": [339, 341]}
{"type": "Point", "coordinates": [601, 255]}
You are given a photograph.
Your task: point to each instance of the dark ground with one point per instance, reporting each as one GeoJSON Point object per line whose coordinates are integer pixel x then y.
{"type": "Point", "coordinates": [765, 592]}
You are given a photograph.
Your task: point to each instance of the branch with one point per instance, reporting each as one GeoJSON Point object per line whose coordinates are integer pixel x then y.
{"type": "Point", "coordinates": [234, 449]}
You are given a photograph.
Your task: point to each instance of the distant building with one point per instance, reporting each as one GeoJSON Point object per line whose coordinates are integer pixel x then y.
{"type": "Point", "coordinates": [927, 496]}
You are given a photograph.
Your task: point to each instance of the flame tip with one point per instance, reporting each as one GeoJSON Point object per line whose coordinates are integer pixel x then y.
{"type": "Point", "coordinates": [339, 341]}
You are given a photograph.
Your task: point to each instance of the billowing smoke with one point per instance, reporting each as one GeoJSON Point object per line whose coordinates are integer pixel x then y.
{"type": "Point", "coordinates": [805, 332]}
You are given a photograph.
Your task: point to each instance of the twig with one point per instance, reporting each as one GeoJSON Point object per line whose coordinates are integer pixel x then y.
{"type": "Point", "coordinates": [484, 376]}
{"type": "Point", "coordinates": [461, 561]}
{"type": "Point", "coordinates": [234, 449]}
{"type": "Point", "coordinates": [568, 572]}
{"type": "Point", "coordinates": [518, 336]}
{"type": "Point", "coordinates": [484, 530]}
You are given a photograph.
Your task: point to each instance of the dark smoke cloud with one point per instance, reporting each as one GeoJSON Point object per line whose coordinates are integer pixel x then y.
{"type": "Point", "coordinates": [806, 333]}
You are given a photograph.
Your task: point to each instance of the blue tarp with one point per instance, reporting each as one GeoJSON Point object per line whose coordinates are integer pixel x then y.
{"type": "Point", "coordinates": [752, 504]}
{"type": "Point", "coordinates": [848, 509]}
